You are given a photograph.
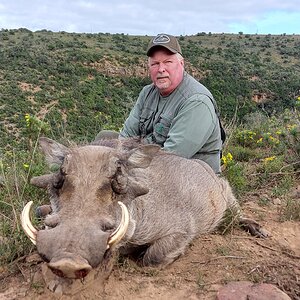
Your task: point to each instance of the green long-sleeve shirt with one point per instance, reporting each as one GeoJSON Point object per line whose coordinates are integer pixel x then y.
{"type": "Point", "coordinates": [184, 122]}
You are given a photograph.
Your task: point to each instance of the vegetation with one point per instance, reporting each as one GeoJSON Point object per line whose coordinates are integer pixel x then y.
{"type": "Point", "coordinates": [80, 83]}
{"type": "Point", "coordinates": [70, 86]}
{"type": "Point", "coordinates": [267, 155]}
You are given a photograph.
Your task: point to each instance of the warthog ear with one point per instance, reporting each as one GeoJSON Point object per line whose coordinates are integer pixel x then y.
{"type": "Point", "coordinates": [142, 156]}
{"type": "Point", "coordinates": [54, 152]}
{"type": "Point", "coordinates": [42, 181]}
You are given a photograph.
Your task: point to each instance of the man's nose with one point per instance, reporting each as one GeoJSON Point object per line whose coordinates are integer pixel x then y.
{"type": "Point", "coordinates": [161, 68]}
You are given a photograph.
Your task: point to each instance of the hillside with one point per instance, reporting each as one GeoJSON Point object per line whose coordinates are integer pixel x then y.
{"type": "Point", "coordinates": [80, 83]}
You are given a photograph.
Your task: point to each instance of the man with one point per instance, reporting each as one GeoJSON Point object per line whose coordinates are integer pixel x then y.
{"type": "Point", "coordinates": [175, 111]}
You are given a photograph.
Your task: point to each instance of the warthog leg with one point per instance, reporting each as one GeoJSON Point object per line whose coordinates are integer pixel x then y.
{"type": "Point", "coordinates": [253, 227]}
{"type": "Point", "coordinates": [165, 250]}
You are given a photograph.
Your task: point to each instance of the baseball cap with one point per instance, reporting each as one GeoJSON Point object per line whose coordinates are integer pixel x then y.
{"type": "Point", "coordinates": [164, 40]}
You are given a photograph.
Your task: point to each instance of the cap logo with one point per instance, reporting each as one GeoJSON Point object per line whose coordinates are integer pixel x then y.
{"type": "Point", "coordinates": [161, 39]}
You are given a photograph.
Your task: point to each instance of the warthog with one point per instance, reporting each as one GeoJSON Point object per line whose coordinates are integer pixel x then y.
{"type": "Point", "coordinates": [116, 195]}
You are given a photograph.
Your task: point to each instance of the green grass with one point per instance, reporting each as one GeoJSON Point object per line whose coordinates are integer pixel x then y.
{"type": "Point", "coordinates": [16, 169]}
{"type": "Point", "coordinates": [290, 211]}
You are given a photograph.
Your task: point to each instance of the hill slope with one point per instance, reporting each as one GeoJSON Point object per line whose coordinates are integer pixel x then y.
{"type": "Point", "coordinates": [80, 83]}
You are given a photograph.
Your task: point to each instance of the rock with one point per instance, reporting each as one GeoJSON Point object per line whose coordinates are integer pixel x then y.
{"type": "Point", "coordinates": [59, 290]}
{"type": "Point", "coordinates": [296, 193]}
{"type": "Point", "coordinates": [266, 291]}
{"type": "Point", "coordinates": [2, 181]}
{"type": "Point", "coordinates": [246, 290]}
{"type": "Point", "coordinates": [266, 196]}
{"type": "Point", "coordinates": [276, 201]}
{"type": "Point", "coordinates": [37, 278]}
{"type": "Point", "coordinates": [3, 269]}
{"type": "Point", "coordinates": [3, 240]}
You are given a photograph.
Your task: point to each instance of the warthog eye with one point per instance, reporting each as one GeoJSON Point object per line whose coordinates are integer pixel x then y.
{"type": "Point", "coordinates": [107, 225]}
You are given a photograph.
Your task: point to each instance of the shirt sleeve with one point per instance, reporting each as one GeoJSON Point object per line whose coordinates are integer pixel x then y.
{"type": "Point", "coordinates": [192, 127]}
{"type": "Point", "coordinates": [131, 125]}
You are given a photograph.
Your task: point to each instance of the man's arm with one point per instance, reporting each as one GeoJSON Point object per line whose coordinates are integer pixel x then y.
{"type": "Point", "coordinates": [192, 127]}
{"type": "Point", "coordinates": [131, 125]}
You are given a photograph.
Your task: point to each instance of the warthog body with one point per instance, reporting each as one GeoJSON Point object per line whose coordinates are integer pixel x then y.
{"type": "Point", "coordinates": [170, 200]}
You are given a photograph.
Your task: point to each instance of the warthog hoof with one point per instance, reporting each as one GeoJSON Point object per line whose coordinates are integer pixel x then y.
{"type": "Point", "coordinates": [253, 227]}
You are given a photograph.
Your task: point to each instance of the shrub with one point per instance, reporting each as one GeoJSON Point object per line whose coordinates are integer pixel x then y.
{"type": "Point", "coordinates": [234, 172]}
{"type": "Point", "coordinates": [243, 154]}
{"type": "Point", "coordinates": [290, 211]}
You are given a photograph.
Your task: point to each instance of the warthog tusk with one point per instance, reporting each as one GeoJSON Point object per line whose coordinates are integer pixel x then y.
{"type": "Point", "coordinates": [28, 228]}
{"type": "Point", "coordinates": [120, 231]}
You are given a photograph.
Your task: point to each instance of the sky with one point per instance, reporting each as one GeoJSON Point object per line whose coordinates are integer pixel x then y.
{"type": "Point", "coordinates": [150, 17]}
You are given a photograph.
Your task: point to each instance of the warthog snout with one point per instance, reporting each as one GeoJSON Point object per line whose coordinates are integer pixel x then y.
{"type": "Point", "coordinates": [74, 267]}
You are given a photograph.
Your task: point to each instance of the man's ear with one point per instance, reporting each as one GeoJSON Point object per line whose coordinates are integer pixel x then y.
{"type": "Point", "coordinates": [182, 63]}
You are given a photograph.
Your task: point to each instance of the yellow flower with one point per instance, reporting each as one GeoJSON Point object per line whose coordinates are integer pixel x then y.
{"type": "Point", "coordinates": [269, 158]}
{"type": "Point", "coordinates": [27, 119]}
{"type": "Point", "coordinates": [227, 158]}
{"type": "Point", "coordinates": [274, 140]}
{"type": "Point", "coordinates": [26, 166]}
{"type": "Point", "coordinates": [259, 141]}
{"type": "Point", "coordinates": [224, 160]}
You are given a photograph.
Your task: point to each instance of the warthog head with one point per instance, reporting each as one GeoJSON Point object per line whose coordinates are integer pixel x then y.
{"type": "Point", "coordinates": [87, 196]}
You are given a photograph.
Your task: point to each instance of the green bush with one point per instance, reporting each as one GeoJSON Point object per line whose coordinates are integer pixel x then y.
{"type": "Point", "coordinates": [243, 154]}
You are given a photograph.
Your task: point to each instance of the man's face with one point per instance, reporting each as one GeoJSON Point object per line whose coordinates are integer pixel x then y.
{"type": "Point", "coordinates": [166, 70]}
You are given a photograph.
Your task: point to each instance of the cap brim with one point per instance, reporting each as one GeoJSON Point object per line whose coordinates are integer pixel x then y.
{"type": "Point", "coordinates": [151, 49]}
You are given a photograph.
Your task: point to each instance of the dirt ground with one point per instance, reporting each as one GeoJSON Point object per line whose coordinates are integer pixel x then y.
{"type": "Point", "coordinates": [209, 263]}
